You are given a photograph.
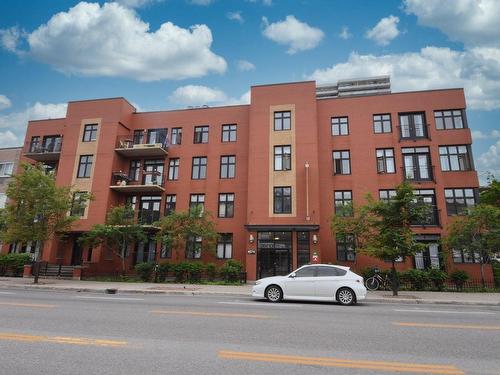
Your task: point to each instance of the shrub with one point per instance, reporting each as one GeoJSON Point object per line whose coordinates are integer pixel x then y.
{"type": "Point", "coordinates": [211, 269]}
{"type": "Point", "coordinates": [195, 269]}
{"type": "Point", "coordinates": [418, 279]}
{"type": "Point", "coordinates": [13, 263]}
{"type": "Point", "coordinates": [459, 277]}
{"type": "Point", "coordinates": [144, 271]}
{"type": "Point", "coordinates": [495, 264]}
{"type": "Point", "coordinates": [438, 278]}
{"type": "Point", "coordinates": [231, 270]}
{"type": "Point", "coordinates": [163, 269]}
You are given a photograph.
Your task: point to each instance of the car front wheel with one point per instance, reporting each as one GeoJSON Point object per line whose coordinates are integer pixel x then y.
{"type": "Point", "coordinates": [274, 293]}
{"type": "Point", "coordinates": [345, 296]}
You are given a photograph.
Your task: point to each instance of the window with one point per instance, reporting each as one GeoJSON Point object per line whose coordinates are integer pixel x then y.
{"type": "Point", "coordinates": [229, 133]}
{"type": "Point", "coordinates": [176, 136]}
{"type": "Point", "coordinates": [303, 248]}
{"type": "Point", "coordinates": [50, 168]}
{"type": "Point", "coordinates": [386, 195]}
{"type": "Point", "coordinates": [173, 169]}
{"type": "Point", "coordinates": [455, 158]}
{"type": "Point", "coordinates": [340, 126]}
{"type": "Point", "coordinates": [78, 204]}
{"type": "Point", "coordinates": [450, 119]}
{"type": "Point", "coordinates": [417, 163]}
{"type": "Point", "coordinates": [283, 200]}
{"type": "Point", "coordinates": [131, 201]}
{"type": "Point", "coordinates": [3, 200]}
{"type": "Point", "coordinates": [166, 251]}
{"type": "Point", "coordinates": [135, 170]}
{"type": "Point", "coordinates": [138, 137]}
{"type": "Point", "coordinates": [324, 271]}
{"type": "Point", "coordinates": [413, 125]}
{"type": "Point", "coordinates": [282, 120]}
{"type": "Point", "coordinates": [307, 272]}
{"type": "Point", "coordinates": [226, 205]}
{"type": "Point", "coordinates": [197, 200]}
{"type": "Point", "coordinates": [282, 158]}
{"type": "Point", "coordinates": [85, 166]}
{"type": "Point", "coordinates": [385, 160]}
{"type": "Point", "coordinates": [200, 134]}
{"type": "Point", "coordinates": [225, 246]}
{"type": "Point", "coordinates": [459, 200]}
{"type": "Point", "coordinates": [426, 197]}
{"type": "Point", "coordinates": [6, 169]}
{"type": "Point", "coordinates": [156, 136]}
{"type": "Point", "coordinates": [382, 123]}
{"type": "Point", "coordinates": [343, 203]}
{"type": "Point", "coordinates": [89, 133]}
{"type": "Point", "coordinates": [193, 247]}
{"type": "Point", "coordinates": [341, 162]}
{"type": "Point", "coordinates": [52, 143]}
{"type": "Point", "coordinates": [462, 256]}
{"type": "Point", "coordinates": [170, 202]}
{"type": "Point", "coordinates": [345, 248]}
{"type": "Point", "coordinates": [35, 144]}
{"type": "Point", "coordinates": [153, 172]}
{"type": "Point", "coordinates": [199, 168]}
{"type": "Point", "coordinates": [145, 251]}
{"type": "Point", "coordinates": [149, 209]}
{"type": "Point", "coordinates": [227, 166]}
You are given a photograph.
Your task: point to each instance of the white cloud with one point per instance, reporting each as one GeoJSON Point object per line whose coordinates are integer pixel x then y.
{"type": "Point", "coordinates": [245, 65]}
{"type": "Point", "coordinates": [473, 22]}
{"type": "Point", "coordinates": [235, 16]}
{"type": "Point", "coordinates": [201, 2]}
{"type": "Point", "coordinates": [478, 134]}
{"type": "Point", "coordinates": [193, 95]}
{"type": "Point", "coordinates": [344, 33]}
{"type": "Point", "coordinates": [297, 35]}
{"type": "Point", "coordinates": [9, 38]}
{"type": "Point", "coordinates": [136, 3]}
{"type": "Point", "coordinates": [477, 70]}
{"type": "Point", "coordinates": [489, 161]}
{"type": "Point", "coordinates": [267, 3]}
{"type": "Point", "coordinates": [4, 102]}
{"type": "Point", "coordinates": [113, 41]}
{"type": "Point", "coordinates": [9, 139]}
{"type": "Point", "coordinates": [384, 31]}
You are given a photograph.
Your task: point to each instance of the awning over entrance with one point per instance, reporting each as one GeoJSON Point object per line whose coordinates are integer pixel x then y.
{"type": "Point", "coordinates": [281, 228]}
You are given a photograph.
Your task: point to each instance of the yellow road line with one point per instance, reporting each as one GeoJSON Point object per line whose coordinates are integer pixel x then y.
{"type": "Point", "coordinates": [212, 314]}
{"type": "Point", "coordinates": [345, 363]}
{"type": "Point", "coordinates": [42, 306]}
{"type": "Point", "coordinates": [62, 340]}
{"type": "Point", "coordinates": [455, 326]}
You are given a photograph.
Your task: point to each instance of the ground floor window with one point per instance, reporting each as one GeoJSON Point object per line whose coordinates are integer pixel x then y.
{"type": "Point", "coordinates": [193, 247]}
{"type": "Point", "coordinates": [462, 256]}
{"type": "Point", "coordinates": [274, 250]}
{"type": "Point", "coordinates": [431, 257]}
{"type": "Point", "coordinates": [303, 248]}
{"type": "Point", "coordinates": [345, 248]}
{"type": "Point", "coordinates": [225, 246]}
{"type": "Point", "coordinates": [145, 251]}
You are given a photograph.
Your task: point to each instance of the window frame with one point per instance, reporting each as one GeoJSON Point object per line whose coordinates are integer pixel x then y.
{"type": "Point", "coordinates": [199, 168]}
{"type": "Point", "coordinates": [90, 135]}
{"type": "Point", "coordinates": [170, 204]}
{"type": "Point", "coordinates": [226, 162]}
{"type": "Point", "coordinates": [341, 200]}
{"type": "Point", "coordinates": [341, 159]}
{"type": "Point", "coordinates": [338, 124]}
{"type": "Point", "coordinates": [383, 122]}
{"type": "Point", "coordinates": [412, 128]}
{"type": "Point", "coordinates": [176, 136]}
{"type": "Point", "coordinates": [6, 168]}
{"type": "Point", "coordinates": [345, 242]}
{"type": "Point", "coordinates": [229, 130]}
{"type": "Point", "coordinates": [283, 198]}
{"type": "Point", "coordinates": [173, 169]}
{"type": "Point", "coordinates": [283, 156]}
{"type": "Point", "coordinates": [86, 165]}
{"type": "Point", "coordinates": [466, 160]}
{"type": "Point", "coordinates": [199, 201]}
{"type": "Point", "coordinates": [194, 247]}
{"type": "Point", "coordinates": [384, 159]}
{"type": "Point", "coordinates": [80, 211]}
{"type": "Point", "coordinates": [279, 118]}
{"type": "Point", "coordinates": [226, 202]}
{"type": "Point", "coordinates": [441, 116]}
{"type": "Point", "coordinates": [200, 134]}
{"type": "Point", "coordinates": [454, 208]}
{"type": "Point", "coordinates": [226, 240]}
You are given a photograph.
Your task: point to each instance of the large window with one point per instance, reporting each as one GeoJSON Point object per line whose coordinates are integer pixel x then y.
{"type": "Point", "coordinates": [426, 197]}
{"type": "Point", "coordinates": [157, 136]}
{"type": "Point", "coordinates": [78, 204]}
{"type": "Point", "coordinates": [449, 119]}
{"type": "Point", "coordinates": [387, 195]}
{"type": "Point", "coordinates": [135, 170]}
{"type": "Point", "coordinates": [385, 160]}
{"type": "Point", "coordinates": [6, 169]}
{"type": "Point", "coordinates": [340, 126]}
{"type": "Point", "coordinates": [52, 143]}
{"type": "Point", "coordinates": [282, 158]}
{"type": "Point", "coordinates": [153, 172]}
{"type": "Point", "coordinates": [176, 136]}
{"type": "Point", "coordinates": [345, 248]}
{"type": "Point", "coordinates": [89, 133]}
{"type": "Point", "coordinates": [225, 246]}
{"type": "Point", "coordinates": [283, 200]}
{"type": "Point", "coordinates": [170, 203]}
{"type": "Point", "coordinates": [229, 133]}
{"type": "Point", "coordinates": [382, 123]}
{"type": "Point", "coordinates": [462, 256]}
{"type": "Point", "coordinates": [193, 247]}
{"type": "Point", "coordinates": [226, 205]}
{"type": "Point", "coordinates": [138, 136]}
{"type": "Point", "coordinates": [149, 209]}
{"type": "Point", "coordinates": [200, 134]}
{"type": "Point", "coordinates": [455, 158]}
{"type": "Point", "coordinates": [343, 203]}
{"type": "Point", "coordinates": [197, 200]}
{"type": "Point", "coordinates": [417, 163]}
{"type": "Point", "coordinates": [227, 166]}
{"type": "Point", "coordinates": [303, 248]}
{"type": "Point", "coordinates": [145, 251]}
{"type": "Point", "coordinates": [413, 125]}
{"type": "Point", "coordinates": [85, 166]}
{"type": "Point", "coordinates": [199, 168]}
{"type": "Point", "coordinates": [173, 169]}
{"type": "Point", "coordinates": [341, 162]}
{"type": "Point", "coordinates": [459, 200]}
{"type": "Point", "coordinates": [35, 144]}
{"type": "Point", "coordinates": [282, 120]}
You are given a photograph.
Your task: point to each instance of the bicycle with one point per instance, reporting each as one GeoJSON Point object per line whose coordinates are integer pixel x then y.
{"type": "Point", "coordinates": [374, 282]}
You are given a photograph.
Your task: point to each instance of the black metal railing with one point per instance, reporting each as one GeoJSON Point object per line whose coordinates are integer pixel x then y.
{"type": "Point", "coordinates": [418, 173]}
{"type": "Point", "coordinates": [409, 132]}
{"type": "Point", "coordinates": [53, 147]}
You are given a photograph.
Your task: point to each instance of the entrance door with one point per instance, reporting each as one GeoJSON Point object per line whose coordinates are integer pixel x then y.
{"type": "Point", "coordinates": [274, 253]}
{"type": "Point", "coordinates": [76, 255]}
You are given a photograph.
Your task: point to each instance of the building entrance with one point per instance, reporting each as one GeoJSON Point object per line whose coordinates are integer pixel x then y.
{"type": "Point", "coordinates": [274, 253]}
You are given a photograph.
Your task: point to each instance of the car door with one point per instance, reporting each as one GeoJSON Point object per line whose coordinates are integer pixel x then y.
{"type": "Point", "coordinates": [302, 285]}
{"type": "Point", "coordinates": [329, 279]}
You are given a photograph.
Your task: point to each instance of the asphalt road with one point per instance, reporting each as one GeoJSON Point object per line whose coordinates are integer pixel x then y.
{"type": "Point", "coordinates": [45, 332]}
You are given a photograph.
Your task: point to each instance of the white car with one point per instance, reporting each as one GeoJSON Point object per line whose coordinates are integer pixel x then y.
{"type": "Point", "coordinates": [313, 282]}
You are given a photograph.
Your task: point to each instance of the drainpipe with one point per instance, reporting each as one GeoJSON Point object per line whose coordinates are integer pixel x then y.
{"type": "Point", "coordinates": [308, 218]}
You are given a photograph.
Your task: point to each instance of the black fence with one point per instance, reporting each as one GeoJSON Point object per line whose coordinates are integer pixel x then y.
{"type": "Point", "coordinates": [471, 285]}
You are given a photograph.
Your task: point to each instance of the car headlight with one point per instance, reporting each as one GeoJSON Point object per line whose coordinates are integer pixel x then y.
{"type": "Point", "coordinates": [258, 282]}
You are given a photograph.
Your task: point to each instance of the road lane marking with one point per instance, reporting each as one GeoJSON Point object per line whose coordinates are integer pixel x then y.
{"type": "Point", "coordinates": [62, 340]}
{"type": "Point", "coordinates": [345, 363]}
{"type": "Point", "coordinates": [447, 312]}
{"type": "Point", "coordinates": [454, 326]}
{"type": "Point", "coordinates": [211, 314]}
{"type": "Point", "coordinates": [37, 305]}
{"type": "Point", "coordinates": [111, 298]}
{"type": "Point", "coordinates": [7, 293]}
{"type": "Point", "coordinates": [261, 304]}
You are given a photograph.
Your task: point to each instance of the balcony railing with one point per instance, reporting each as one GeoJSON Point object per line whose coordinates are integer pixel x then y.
{"type": "Point", "coordinates": [133, 146]}
{"type": "Point", "coordinates": [409, 132]}
{"type": "Point", "coordinates": [419, 173]}
{"type": "Point", "coordinates": [149, 182]}
{"type": "Point", "coordinates": [49, 151]}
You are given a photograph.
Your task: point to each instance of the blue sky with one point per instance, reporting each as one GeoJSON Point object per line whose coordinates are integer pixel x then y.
{"type": "Point", "coordinates": [163, 54]}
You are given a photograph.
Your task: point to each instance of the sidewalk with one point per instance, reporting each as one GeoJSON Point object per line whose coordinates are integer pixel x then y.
{"type": "Point", "coordinates": [452, 298]}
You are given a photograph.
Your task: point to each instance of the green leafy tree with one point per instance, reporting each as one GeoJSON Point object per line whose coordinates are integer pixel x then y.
{"type": "Point", "coordinates": [178, 227]}
{"type": "Point", "coordinates": [477, 234]}
{"type": "Point", "coordinates": [491, 195]}
{"type": "Point", "coordinates": [382, 229]}
{"type": "Point", "coordinates": [116, 234]}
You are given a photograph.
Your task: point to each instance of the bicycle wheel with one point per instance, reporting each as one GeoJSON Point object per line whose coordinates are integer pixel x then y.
{"type": "Point", "coordinates": [372, 283]}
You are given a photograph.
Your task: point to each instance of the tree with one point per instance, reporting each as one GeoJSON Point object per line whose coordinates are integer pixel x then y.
{"type": "Point", "coordinates": [179, 227]}
{"type": "Point", "coordinates": [491, 195]}
{"type": "Point", "coordinates": [477, 234]}
{"type": "Point", "coordinates": [116, 234]}
{"type": "Point", "coordinates": [382, 229]}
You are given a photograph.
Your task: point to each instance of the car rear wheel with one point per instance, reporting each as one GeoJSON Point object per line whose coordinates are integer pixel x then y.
{"type": "Point", "coordinates": [274, 293]}
{"type": "Point", "coordinates": [346, 296]}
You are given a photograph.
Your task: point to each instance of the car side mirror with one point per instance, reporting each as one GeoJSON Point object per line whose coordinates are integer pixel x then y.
{"type": "Point", "coordinates": [293, 275]}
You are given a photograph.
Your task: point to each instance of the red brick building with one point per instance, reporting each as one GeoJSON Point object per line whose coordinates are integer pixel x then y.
{"type": "Point", "coordinates": [272, 173]}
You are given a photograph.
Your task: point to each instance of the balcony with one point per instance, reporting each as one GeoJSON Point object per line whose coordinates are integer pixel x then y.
{"type": "Point", "coordinates": [418, 174]}
{"type": "Point", "coordinates": [149, 183]}
{"type": "Point", "coordinates": [137, 147]}
{"type": "Point", "coordinates": [46, 152]}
